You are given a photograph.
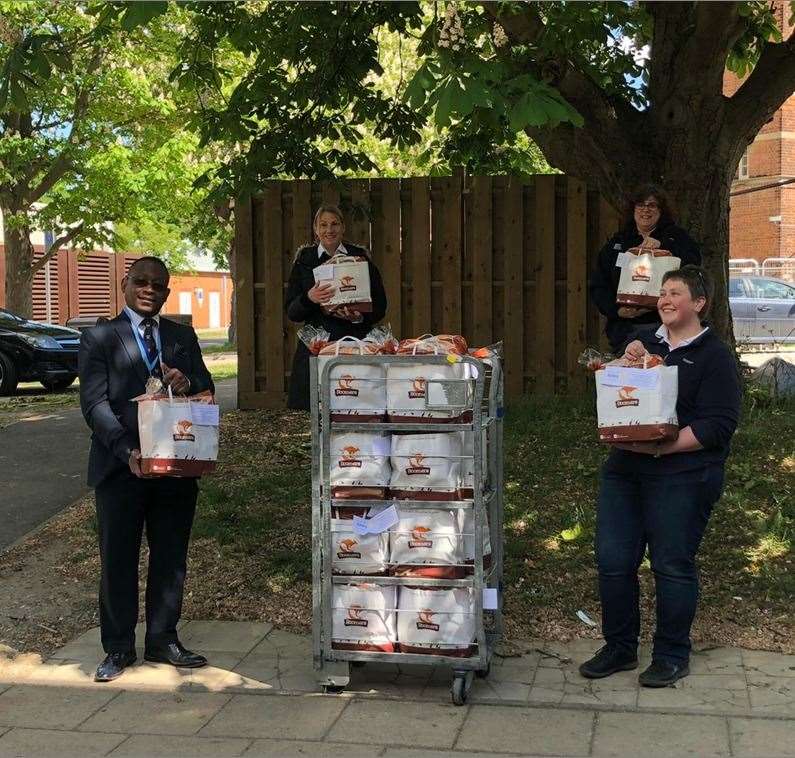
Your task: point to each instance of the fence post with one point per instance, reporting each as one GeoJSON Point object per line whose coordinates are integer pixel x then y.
{"type": "Point", "coordinates": [576, 268]}
{"type": "Point", "coordinates": [244, 300]}
{"type": "Point", "coordinates": [544, 311]}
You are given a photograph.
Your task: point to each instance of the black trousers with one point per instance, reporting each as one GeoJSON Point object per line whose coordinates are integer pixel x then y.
{"type": "Point", "coordinates": [125, 505]}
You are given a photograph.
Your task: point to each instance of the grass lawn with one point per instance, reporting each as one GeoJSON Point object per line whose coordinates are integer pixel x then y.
{"type": "Point", "coordinates": [250, 554]}
{"type": "Point", "coordinates": [253, 528]}
{"type": "Point", "coordinates": [33, 402]}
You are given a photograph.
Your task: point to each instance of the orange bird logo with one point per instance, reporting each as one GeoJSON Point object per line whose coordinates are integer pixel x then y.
{"type": "Point", "coordinates": [355, 612]}
{"type": "Point", "coordinates": [349, 452]}
{"type": "Point", "coordinates": [419, 384]}
{"type": "Point", "coordinates": [626, 393]}
{"type": "Point", "coordinates": [347, 545]}
{"type": "Point", "coordinates": [426, 616]}
{"type": "Point", "coordinates": [419, 532]}
{"type": "Point", "coordinates": [184, 426]}
{"type": "Point", "coordinates": [415, 461]}
{"type": "Point", "coordinates": [346, 382]}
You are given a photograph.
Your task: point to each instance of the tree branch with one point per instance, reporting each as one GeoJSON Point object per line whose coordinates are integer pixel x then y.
{"type": "Point", "coordinates": [764, 91]}
{"type": "Point", "coordinates": [56, 245]}
{"type": "Point", "coordinates": [63, 161]}
{"type": "Point", "coordinates": [610, 122]}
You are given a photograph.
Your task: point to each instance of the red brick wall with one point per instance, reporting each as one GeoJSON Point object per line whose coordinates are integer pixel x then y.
{"type": "Point", "coordinates": [771, 157]}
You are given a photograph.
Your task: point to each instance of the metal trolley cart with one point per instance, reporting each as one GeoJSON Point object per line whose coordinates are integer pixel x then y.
{"type": "Point", "coordinates": [482, 396]}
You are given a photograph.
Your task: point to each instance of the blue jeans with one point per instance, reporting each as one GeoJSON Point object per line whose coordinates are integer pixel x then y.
{"type": "Point", "coordinates": [669, 515]}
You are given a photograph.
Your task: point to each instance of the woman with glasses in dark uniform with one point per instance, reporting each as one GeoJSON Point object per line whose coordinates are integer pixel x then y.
{"type": "Point", "coordinates": [660, 495]}
{"type": "Point", "coordinates": [648, 214]}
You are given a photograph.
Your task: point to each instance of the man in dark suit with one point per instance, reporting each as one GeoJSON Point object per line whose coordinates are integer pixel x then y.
{"type": "Point", "coordinates": [117, 359]}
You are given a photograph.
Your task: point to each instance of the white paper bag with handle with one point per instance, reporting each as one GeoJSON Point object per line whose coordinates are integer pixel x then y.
{"type": "Point", "coordinates": [364, 618]}
{"type": "Point", "coordinates": [350, 277]}
{"type": "Point", "coordinates": [426, 466]}
{"type": "Point", "coordinates": [407, 389]}
{"type": "Point", "coordinates": [637, 404]}
{"type": "Point", "coordinates": [178, 435]}
{"type": "Point", "coordinates": [642, 272]}
{"type": "Point", "coordinates": [356, 389]}
{"type": "Point", "coordinates": [360, 465]}
{"type": "Point", "coordinates": [436, 621]}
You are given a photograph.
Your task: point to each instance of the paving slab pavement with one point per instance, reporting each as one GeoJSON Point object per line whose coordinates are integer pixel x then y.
{"type": "Point", "coordinates": [258, 697]}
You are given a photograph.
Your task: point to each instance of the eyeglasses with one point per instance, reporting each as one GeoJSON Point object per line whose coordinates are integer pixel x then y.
{"type": "Point", "coordinates": [141, 281]}
{"type": "Point", "coordinates": [652, 206]}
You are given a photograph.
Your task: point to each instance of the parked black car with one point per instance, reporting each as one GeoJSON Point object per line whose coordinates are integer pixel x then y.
{"type": "Point", "coordinates": [35, 352]}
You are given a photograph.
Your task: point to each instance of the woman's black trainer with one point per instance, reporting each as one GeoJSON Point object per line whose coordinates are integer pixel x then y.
{"type": "Point", "coordinates": [608, 660]}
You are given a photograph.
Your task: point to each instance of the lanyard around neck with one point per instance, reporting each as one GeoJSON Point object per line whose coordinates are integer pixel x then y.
{"type": "Point", "coordinates": [153, 364]}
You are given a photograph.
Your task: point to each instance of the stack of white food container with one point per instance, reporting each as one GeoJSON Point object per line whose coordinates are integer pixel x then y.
{"type": "Point", "coordinates": [397, 564]}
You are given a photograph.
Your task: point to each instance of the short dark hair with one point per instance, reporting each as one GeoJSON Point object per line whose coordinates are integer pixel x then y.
{"type": "Point", "coordinates": [641, 194]}
{"type": "Point", "coordinates": [150, 259]}
{"type": "Point", "coordinates": [697, 280]}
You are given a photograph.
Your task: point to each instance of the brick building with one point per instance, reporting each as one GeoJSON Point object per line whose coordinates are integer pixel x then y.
{"type": "Point", "coordinates": [88, 286]}
{"type": "Point", "coordinates": [762, 207]}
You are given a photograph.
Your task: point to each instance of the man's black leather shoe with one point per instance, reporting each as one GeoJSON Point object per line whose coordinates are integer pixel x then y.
{"type": "Point", "coordinates": [608, 660]}
{"type": "Point", "coordinates": [176, 655]}
{"type": "Point", "coordinates": [113, 666]}
{"type": "Point", "coordinates": [663, 674]}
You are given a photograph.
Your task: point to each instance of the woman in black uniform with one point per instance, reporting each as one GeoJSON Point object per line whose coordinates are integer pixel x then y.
{"type": "Point", "coordinates": [647, 214]}
{"type": "Point", "coordinates": [306, 301]}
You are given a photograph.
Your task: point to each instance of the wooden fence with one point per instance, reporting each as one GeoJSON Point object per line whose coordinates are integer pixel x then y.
{"type": "Point", "coordinates": [489, 257]}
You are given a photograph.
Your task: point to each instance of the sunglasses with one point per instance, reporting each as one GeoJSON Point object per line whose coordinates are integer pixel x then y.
{"type": "Point", "coordinates": [141, 281]}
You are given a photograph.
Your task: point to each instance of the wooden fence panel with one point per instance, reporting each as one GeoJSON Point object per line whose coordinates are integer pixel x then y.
{"type": "Point", "coordinates": [544, 311]}
{"type": "Point", "coordinates": [479, 240]}
{"type": "Point", "coordinates": [576, 273]}
{"type": "Point", "coordinates": [420, 256]}
{"type": "Point", "coordinates": [386, 246]}
{"type": "Point", "coordinates": [451, 254]}
{"type": "Point", "coordinates": [244, 300]}
{"type": "Point", "coordinates": [505, 258]}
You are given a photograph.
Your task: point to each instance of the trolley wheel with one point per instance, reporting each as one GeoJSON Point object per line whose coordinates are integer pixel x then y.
{"type": "Point", "coordinates": [459, 690]}
{"type": "Point", "coordinates": [333, 689]}
{"type": "Point", "coordinates": [483, 673]}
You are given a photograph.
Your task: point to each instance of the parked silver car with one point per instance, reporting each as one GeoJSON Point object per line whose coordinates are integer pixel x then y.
{"type": "Point", "coordinates": [763, 309]}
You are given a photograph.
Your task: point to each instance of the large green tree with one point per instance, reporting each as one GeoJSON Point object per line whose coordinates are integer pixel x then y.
{"type": "Point", "coordinates": [92, 144]}
{"type": "Point", "coordinates": [615, 93]}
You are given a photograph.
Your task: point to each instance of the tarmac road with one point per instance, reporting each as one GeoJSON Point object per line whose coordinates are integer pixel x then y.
{"type": "Point", "coordinates": [43, 465]}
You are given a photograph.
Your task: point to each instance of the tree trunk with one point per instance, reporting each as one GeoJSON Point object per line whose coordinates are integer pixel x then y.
{"type": "Point", "coordinates": [19, 267]}
{"type": "Point", "coordinates": [232, 333]}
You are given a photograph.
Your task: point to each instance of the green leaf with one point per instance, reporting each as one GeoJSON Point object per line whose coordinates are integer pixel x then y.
{"type": "Point", "coordinates": [139, 13]}
{"type": "Point", "coordinates": [19, 99]}
{"type": "Point", "coordinates": [570, 535]}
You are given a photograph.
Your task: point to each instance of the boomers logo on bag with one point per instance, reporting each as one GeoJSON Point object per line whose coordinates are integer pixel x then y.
{"type": "Point", "coordinates": [346, 549]}
{"type": "Point", "coordinates": [419, 537]}
{"type": "Point", "coordinates": [417, 388]}
{"type": "Point", "coordinates": [345, 387]}
{"type": "Point", "coordinates": [641, 273]}
{"type": "Point", "coordinates": [354, 616]}
{"type": "Point", "coordinates": [625, 397]}
{"type": "Point", "coordinates": [416, 465]}
{"type": "Point", "coordinates": [425, 620]}
{"type": "Point", "coordinates": [347, 284]}
{"type": "Point", "coordinates": [349, 459]}
{"type": "Point", "coordinates": [182, 431]}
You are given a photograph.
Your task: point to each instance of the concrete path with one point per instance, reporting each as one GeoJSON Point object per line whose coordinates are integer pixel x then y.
{"type": "Point", "coordinates": [735, 703]}
{"type": "Point", "coordinates": [43, 465]}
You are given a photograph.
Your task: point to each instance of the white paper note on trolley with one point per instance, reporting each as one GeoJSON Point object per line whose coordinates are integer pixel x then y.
{"type": "Point", "coordinates": [378, 523]}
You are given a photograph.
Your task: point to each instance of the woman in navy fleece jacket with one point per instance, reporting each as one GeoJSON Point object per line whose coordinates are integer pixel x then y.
{"type": "Point", "coordinates": [660, 495]}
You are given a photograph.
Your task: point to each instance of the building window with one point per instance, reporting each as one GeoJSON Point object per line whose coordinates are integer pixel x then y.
{"type": "Point", "coordinates": [742, 168]}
